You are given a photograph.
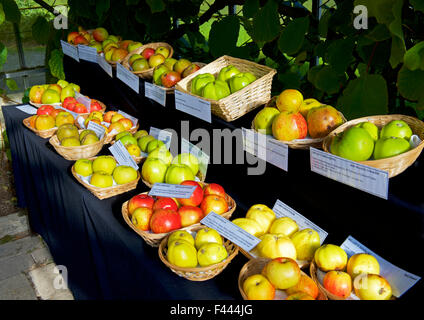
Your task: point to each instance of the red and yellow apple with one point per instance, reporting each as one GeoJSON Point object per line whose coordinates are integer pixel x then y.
{"type": "Point", "coordinates": [288, 126]}
{"type": "Point", "coordinates": [338, 283]}
{"type": "Point", "coordinates": [165, 220]}
{"type": "Point", "coordinates": [214, 203]}
{"type": "Point", "coordinates": [196, 197]}
{"type": "Point", "coordinates": [140, 201]}
{"type": "Point", "coordinates": [141, 218]}
{"type": "Point", "coordinates": [190, 215]}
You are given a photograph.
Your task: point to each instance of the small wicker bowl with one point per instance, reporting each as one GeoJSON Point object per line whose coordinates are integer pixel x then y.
{"type": "Point", "coordinates": [103, 193]}
{"type": "Point", "coordinates": [198, 273]}
{"type": "Point", "coordinates": [41, 133]}
{"type": "Point", "coordinates": [255, 266]}
{"type": "Point", "coordinates": [146, 74]}
{"type": "Point", "coordinates": [38, 105]}
{"type": "Point", "coordinates": [394, 165]}
{"type": "Point", "coordinates": [79, 152]}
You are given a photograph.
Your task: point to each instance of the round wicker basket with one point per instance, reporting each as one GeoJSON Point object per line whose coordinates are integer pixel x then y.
{"type": "Point", "coordinates": [394, 165]}
{"type": "Point", "coordinates": [41, 133]}
{"type": "Point", "coordinates": [146, 74]}
{"type": "Point", "coordinates": [79, 152]}
{"type": "Point", "coordinates": [198, 273]}
{"type": "Point", "coordinates": [255, 266]}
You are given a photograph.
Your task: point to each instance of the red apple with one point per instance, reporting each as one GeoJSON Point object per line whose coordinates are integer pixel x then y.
{"type": "Point", "coordinates": [141, 218]}
{"type": "Point", "coordinates": [80, 108]}
{"type": "Point", "coordinates": [71, 36]}
{"type": "Point", "coordinates": [214, 203]}
{"type": "Point", "coordinates": [288, 126]}
{"type": "Point", "coordinates": [108, 116]}
{"type": "Point", "coordinates": [45, 109]}
{"type": "Point", "coordinates": [197, 196]}
{"type": "Point", "coordinates": [95, 105]}
{"type": "Point", "coordinates": [55, 112]}
{"type": "Point", "coordinates": [170, 78]}
{"type": "Point", "coordinates": [190, 215]}
{"type": "Point", "coordinates": [69, 103]}
{"type": "Point", "coordinates": [165, 220]}
{"type": "Point", "coordinates": [165, 203]}
{"type": "Point", "coordinates": [214, 188]}
{"type": "Point", "coordinates": [147, 53]}
{"type": "Point", "coordinates": [338, 283]}
{"type": "Point", "coordinates": [80, 39]}
{"type": "Point", "coordinates": [140, 200]}
{"type": "Point", "coordinates": [127, 123]}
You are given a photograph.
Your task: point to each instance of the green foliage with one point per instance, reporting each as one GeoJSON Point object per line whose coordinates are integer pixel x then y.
{"type": "Point", "coordinates": [41, 30]}
{"type": "Point", "coordinates": [11, 84]}
{"type": "Point", "coordinates": [223, 36]}
{"type": "Point", "coordinates": [2, 15]}
{"type": "Point", "coordinates": [293, 35]}
{"type": "Point", "coordinates": [56, 64]}
{"type": "Point", "coordinates": [266, 23]}
{"type": "Point", "coordinates": [11, 11]}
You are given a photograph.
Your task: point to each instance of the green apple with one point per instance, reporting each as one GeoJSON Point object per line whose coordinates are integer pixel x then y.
{"type": "Point", "coordinates": [50, 96]}
{"type": "Point", "coordinates": [140, 65]}
{"type": "Point", "coordinates": [124, 174]}
{"type": "Point", "coordinates": [106, 42]}
{"type": "Point", "coordinates": [90, 138]}
{"type": "Point", "coordinates": [227, 73]}
{"type": "Point", "coordinates": [134, 57]}
{"type": "Point", "coordinates": [68, 91]}
{"type": "Point", "coordinates": [113, 38]}
{"type": "Point", "coordinates": [390, 147]}
{"type": "Point", "coordinates": [334, 147]}
{"type": "Point", "coordinates": [163, 154]}
{"type": "Point", "coordinates": [84, 133]}
{"type": "Point", "coordinates": [200, 81]}
{"type": "Point", "coordinates": [396, 128]}
{"type": "Point", "coordinates": [216, 90]}
{"type": "Point", "coordinates": [143, 141]}
{"type": "Point", "coordinates": [84, 167]}
{"type": "Point", "coordinates": [169, 62]}
{"type": "Point", "coordinates": [134, 45]}
{"type": "Point", "coordinates": [62, 83]}
{"type": "Point", "coordinates": [157, 73]}
{"type": "Point", "coordinates": [188, 159]}
{"type": "Point", "coordinates": [70, 142]}
{"type": "Point", "coordinates": [241, 80]}
{"type": "Point", "coordinates": [178, 173]}
{"type": "Point", "coordinates": [211, 253]}
{"type": "Point", "coordinates": [152, 145]}
{"type": "Point", "coordinates": [128, 139]}
{"type": "Point", "coordinates": [122, 134]}
{"type": "Point", "coordinates": [371, 128]}
{"type": "Point", "coordinates": [356, 144]}
{"type": "Point", "coordinates": [104, 164]}
{"type": "Point", "coordinates": [140, 133]}
{"type": "Point", "coordinates": [101, 180]}
{"type": "Point", "coordinates": [154, 170]}
{"type": "Point", "coordinates": [264, 118]}
{"type": "Point", "coordinates": [76, 87]}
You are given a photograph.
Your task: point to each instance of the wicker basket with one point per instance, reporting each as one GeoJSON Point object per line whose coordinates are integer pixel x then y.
{"type": "Point", "coordinates": [241, 102]}
{"type": "Point", "coordinates": [103, 193]}
{"type": "Point", "coordinates": [80, 152]}
{"type": "Point", "coordinates": [255, 266]}
{"type": "Point", "coordinates": [146, 74]}
{"type": "Point", "coordinates": [41, 133]}
{"type": "Point", "coordinates": [38, 105]}
{"type": "Point", "coordinates": [303, 144]}
{"type": "Point", "coordinates": [394, 165]}
{"type": "Point", "coordinates": [198, 273]}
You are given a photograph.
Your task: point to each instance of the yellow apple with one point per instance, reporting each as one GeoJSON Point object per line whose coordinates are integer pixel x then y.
{"type": "Point", "coordinates": [207, 235]}
{"type": "Point", "coordinates": [330, 257]}
{"type": "Point", "coordinates": [263, 215]}
{"type": "Point", "coordinates": [182, 254]}
{"type": "Point", "coordinates": [372, 287]}
{"type": "Point", "coordinates": [362, 263]}
{"type": "Point", "coordinates": [257, 287]}
{"type": "Point", "coordinates": [284, 225]}
{"type": "Point", "coordinates": [249, 225]}
{"type": "Point", "coordinates": [283, 273]}
{"type": "Point", "coordinates": [306, 242]}
{"type": "Point", "coordinates": [276, 245]}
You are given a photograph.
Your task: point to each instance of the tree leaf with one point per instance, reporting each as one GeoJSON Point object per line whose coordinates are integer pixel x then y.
{"type": "Point", "coordinates": [266, 23]}
{"type": "Point", "coordinates": [11, 11]}
{"type": "Point", "coordinates": [11, 84]}
{"type": "Point", "coordinates": [289, 80]}
{"type": "Point", "coordinates": [223, 36]}
{"type": "Point", "coordinates": [293, 35]}
{"type": "Point", "coordinates": [102, 7]}
{"type": "Point", "coordinates": [417, 4]}
{"type": "Point", "coordinates": [398, 42]}
{"type": "Point", "coordinates": [250, 8]}
{"type": "Point", "coordinates": [410, 83]}
{"type": "Point", "coordinates": [364, 96]}
{"type": "Point", "coordinates": [413, 57]}
{"type": "Point", "coordinates": [323, 24]}
{"type": "Point", "coordinates": [379, 33]}
{"type": "Point", "coordinates": [41, 30]}
{"type": "Point", "coordinates": [156, 5]}
{"type": "Point", "coordinates": [56, 64]}
{"type": "Point", "coordinates": [327, 80]}
{"type": "Point", "coordinates": [340, 54]}
{"type": "Point", "coordinates": [3, 55]}
{"type": "Point", "coordinates": [2, 16]}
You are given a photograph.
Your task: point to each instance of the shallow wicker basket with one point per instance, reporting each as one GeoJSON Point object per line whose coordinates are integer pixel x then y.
{"type": "Point", "coordinates": [255, 266]}
{"type": "Point", "coordinates": [198, 273]}
{"type": "Point", "coordinates": [146, 74]}
{"type": "Point", "coordinates": [79, 152]}
{"type": "Point", "coordinates": [38, 105]}
{"type": "Point", "coordinates": [303, 144]}
{"type": "Point", "coordinates": [154, 239]}
{"type": "Point", "coordinates": [103, 193]}
{"type": "Point", "coordinates": [241, 102]}
{"type": "Point", "coordinates": [394, 165]}
{"type": "Point", "coordinates": [41, 133]}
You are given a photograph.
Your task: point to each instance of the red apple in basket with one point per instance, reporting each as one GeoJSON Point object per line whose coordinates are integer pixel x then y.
{"type": "Point", "coordinates": [139, 201]}
{"type": "Point", "coordinates": [338, 283]}
{"type": "Point", "coordinates": [190, 215]}
{"type": "Point", "coordinates": [214, 203]}
{"type": "Point", "coordinates": [95, 106]}
{"type": "Point", "coordinates": [214, 188]}
{"type": "Point", "coordinates": [165, 220]}
{"type": "Point", "coordinates": [147, 53]}
{"type": "Point", "coordinates": [127, 123]}
{"type": "Point", "coordinates": [170, 78]}
{"type": "Point", "coordinates": [108, 116]}
{"type": "Point", "coordinates": [197, 196]}
{"type": "Point", "coordinates": [165, 203]}
{"type": "Point", "coordinates": [288, 126]}
{"type": "Point", "coordinates": [69, 103]}
{"type": "Point", "coordinates": [45, 109]}
{"type": "Point", "coordinates": [80, 108]}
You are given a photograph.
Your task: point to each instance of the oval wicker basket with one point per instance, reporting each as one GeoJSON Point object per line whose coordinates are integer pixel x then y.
{"type": "Point", "coordinates": [38, 105]}
{"type": "Point", "coordinates": [41, 133]}
{"type": "Point", "coordinates": [255, 266]}
{"type": "Point", "coordinates": [79, 152]}
{"type": "Point", "coordinates": [103, 193]}
{"type": "Point", "coordinates": [198, 273]}
{"type": "Point", "coordinates": [154, 239]}
{"type": "Point", "coordinates": [394, 165]}
{"type": "Point", "coordinates": [146, 74]}
{"type": "Point", "coordinates": [243, 101]}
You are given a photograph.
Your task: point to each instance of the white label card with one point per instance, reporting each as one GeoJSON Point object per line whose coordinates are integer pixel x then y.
{"type": "Point", "coordinates": [154, 92]}
{"type": "Point", "coordinates": [127, 77]}
{"type": "Point", "coordinates": [122, 156]}
{"type": "Point", "coordinates": [354, 174]}
{"type": "Point", "coordinates": [104, 65]}
{"type": "Point", "coordinates": [87, 53]}
{"type": "Point", "coordinates": [230, 231]}
{"type": "Point", "coordinates": [188, 147]}
{"type": "Point", "coordinates": [27, 109]}
{"type": "Point", "coordinates": [283, 210]}
{"type": "Point", "coordinates": [74, 114]}
{"type": "Point", "coordinates": [266, 148]}
{"type": "Point", "coordinates": [126, 115]}
{"type": "Point", "coordinates": [162, 135]}
{"type": "Point", "coordinates": [171, 190]}
{"type": "Point", "coordinates": [197, 107]}
{"type": "Point", "coordinates": [107, 124]}
{"type": "Point", "coordinates": [69, 50]}
{"type": "Point", "coordinates": [400, 280]}
{"type": "Point", "coordinates": [86, 101]}
{"type": "Point", "coordinates": [97, 128]}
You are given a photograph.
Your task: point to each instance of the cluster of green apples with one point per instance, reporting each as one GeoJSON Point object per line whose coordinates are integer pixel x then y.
{"type": "Point", "coordinates": [365, 141]}
{"type": "Point", "coordinates": [132, 141]}
{"type": "Point", "coordinates": [228, 81]}
{"type": "Point", "coordinates": [53, 93]}
{"type": "Point", "coordinates": [69, 136]}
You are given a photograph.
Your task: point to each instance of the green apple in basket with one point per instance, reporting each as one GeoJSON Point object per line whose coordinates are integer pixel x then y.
{"type": "Point", "coordinates": [154, 170]}
{"type": "Point", "coordinates": [104, 164]}
{"type": "Point", "coordinates": [143, 141]}
{"type": "Point", "coordinates": [216, 90]}
{"type": "Point", "coordinates": [84, 167]}
{"type": "Point", "coordinates": [241, 80]}
{"type": "Point", "coordinates": [101, 180]}
{"type": "Point", "coordinates": [152, 145]}
{"type": "Point", "coordinates": [199, 81]}
{"type": "Point", "coordinates": [188, 159]}
{"type": "Point", "coordinates": [227, 73]}
{"type": "Point", "coordinates": [396, 128]}
{"type": "Point", "coordinates": [178, 173]}
{"type": "Point", "coordinates": [124, 174]}
{"type": "Point", "coordinates": [163, 154]}
{"type": "Point", "coordinates": [127, 140]}
{"type": "Point", "coordinates": [371, 128]}
{"type": "Point", "coordinates": [355, 144]}
{"type": "Point", "coordinates": [158, 72]}
{"type": "Point", "coordinates": [264, 118]}
{"type": "Point", "coordinates": [390, 147]}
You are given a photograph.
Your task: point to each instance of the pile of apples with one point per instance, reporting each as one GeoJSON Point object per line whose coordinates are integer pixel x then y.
{"type": "Point", "coordinates": [69, 136]}
{"type": "Point", "coordinates": [104, 172]}
{"type": "Point", "coordinates": [171, 71]}
{"type": "Point", "coordinates": [292, 117]}
{"type": "Point", "coordinates": [130, 141]}
{"type": "Point", "coordinates": [280, 237]}
{"type": "Point", "coordinates": [52, 93]}
{"type": "Point", "coordinates": [365, 141]}
{"type": "Point", "coordinates": [163, 215]}
{"type": "Point", "coordinates": [280, 274]}
{"type": "Point", "coordinates": [206, 248]}
{"type": "Point", "coordinates": [73, 105]}
{"type": "Point", "coordinates": [342, 276]}
{"type": "Point", "coordinates": [48, 117]}
{"type": "Point", "coordinates": [149, 58]}
{"type": "Point", "coordinates": [110, 120]}
{"type": "Point", "coordinates": [228, 81]}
